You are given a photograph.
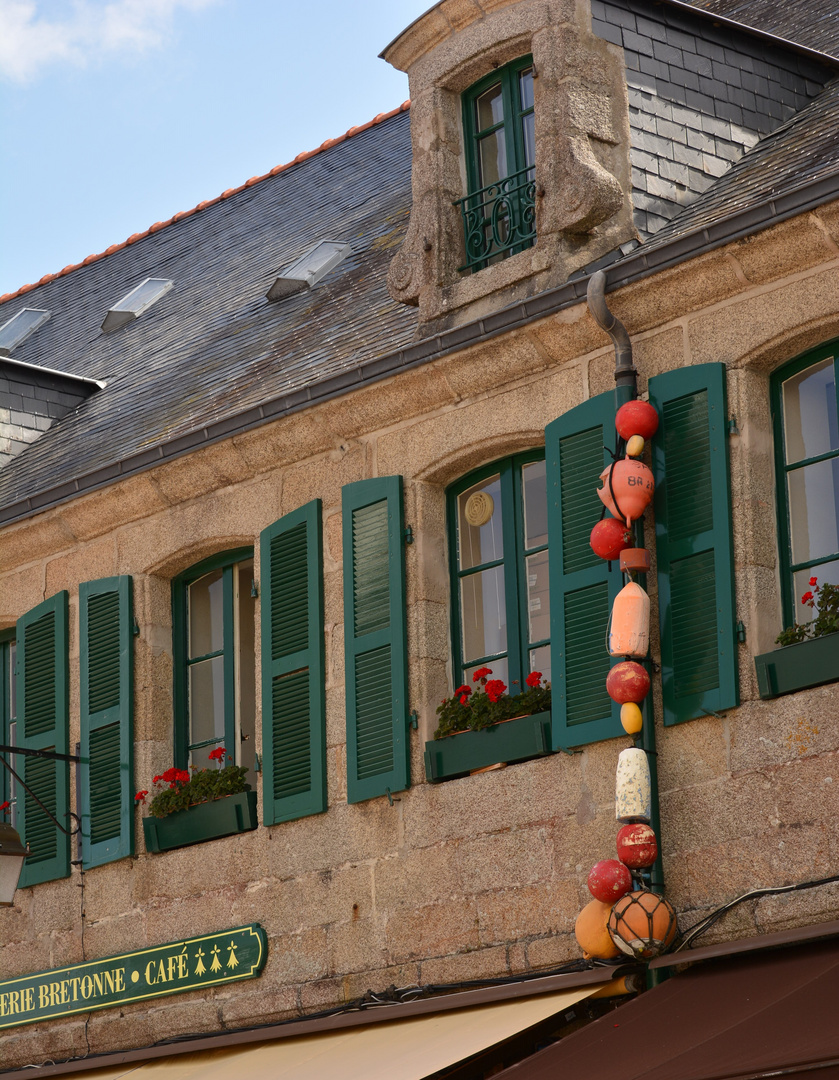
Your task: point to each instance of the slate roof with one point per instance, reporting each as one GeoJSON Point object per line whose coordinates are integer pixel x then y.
{"type": "Point", "coordinates": [811, 23]}
{"type": "Point", "coordinates": [213, 356]}
{"type": "Point", "coordinates": [213, 346]}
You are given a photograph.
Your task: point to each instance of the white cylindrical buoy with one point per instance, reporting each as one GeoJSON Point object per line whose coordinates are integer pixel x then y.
{"type": "Point", "coordinates": [629, 634]}
{"type": "Point", "coordinates": [633, 791]}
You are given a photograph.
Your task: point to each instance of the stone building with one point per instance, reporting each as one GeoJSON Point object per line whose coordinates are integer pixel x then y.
{"type": "Point", "coordinates": [239, 459]}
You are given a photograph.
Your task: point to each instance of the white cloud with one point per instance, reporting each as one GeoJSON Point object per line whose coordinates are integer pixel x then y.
{"type": "Point", "coordinates": [32, 38]}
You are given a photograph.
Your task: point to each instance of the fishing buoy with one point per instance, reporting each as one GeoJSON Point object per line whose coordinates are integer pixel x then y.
{"type": "Point", "coordinates": [630, 630]}
{"type": "Point", "coordinates": [627, 490]}
{"type": "Point", "coordinates": [633, 789]}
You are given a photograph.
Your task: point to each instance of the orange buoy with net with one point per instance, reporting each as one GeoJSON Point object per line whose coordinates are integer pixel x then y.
{"type": "Point", "coordinates": [642, 924]}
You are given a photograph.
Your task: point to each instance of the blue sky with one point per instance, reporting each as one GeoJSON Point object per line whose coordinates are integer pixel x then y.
{"type": "Point", "coordinates": [118, 114]}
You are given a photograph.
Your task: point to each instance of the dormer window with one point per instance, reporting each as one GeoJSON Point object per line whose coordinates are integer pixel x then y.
{"type": "Point", "coordinates": [499, 217]}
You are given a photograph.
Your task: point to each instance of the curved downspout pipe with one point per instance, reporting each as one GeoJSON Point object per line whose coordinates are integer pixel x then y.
{"type": "Point", "coordinates": [596, 299]}
{"type": "Point", "coordinates": [626, 389]}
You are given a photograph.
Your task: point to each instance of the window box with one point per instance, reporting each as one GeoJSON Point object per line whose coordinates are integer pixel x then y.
{"type": "Point", "coordinates": [206, 821]}
{"type": "Point", "coordinates": [798, 667]}
{"type": "Point", "coordinates": [510, 741]}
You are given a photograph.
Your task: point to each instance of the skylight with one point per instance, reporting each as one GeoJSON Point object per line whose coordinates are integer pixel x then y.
{"type": "Point", "coordinates": [135, 303]}
{"type": "Point", "coordinates": [309, 268]}
{"type": "Point", "coordinates": [19, 327]}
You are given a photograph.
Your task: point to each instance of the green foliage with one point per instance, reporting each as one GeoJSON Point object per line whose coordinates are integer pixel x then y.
{"type": "Point", "coordinates": [824, 598]}
{"type": "Point", "coordinates": [184, 789]}
{"type": "Point", "coordinates": [466, 710]}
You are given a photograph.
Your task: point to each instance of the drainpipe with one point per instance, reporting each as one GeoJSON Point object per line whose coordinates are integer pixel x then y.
{"type": "Point", "coordinates": [626, 389]}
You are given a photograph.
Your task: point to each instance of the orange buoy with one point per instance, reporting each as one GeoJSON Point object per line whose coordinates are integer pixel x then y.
{"type": "Point", "coordinates": [632, 719]}
{"type": "Point", "coordinates": [592, 933]}
{"type": "Point", "coordinates": [627, 490]}
{"type": "Point", "coordinates": [642, 924]}
{"type": "Point", "coordinates": [629, 634]}
{"type": "Point", "coordinates": [636, 418]}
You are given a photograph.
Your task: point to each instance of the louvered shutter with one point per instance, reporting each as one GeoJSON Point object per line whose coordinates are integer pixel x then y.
{"type": "Point", "coordinates": [43, 717]}
{"type": "Point", "coordinates": [106, 665]}
{"type": "Point", "coordinates": [583, 586]}
{"type": "Point", "coordinates": [693, 543]}
{"type": "Point", "coordinates": [293, 704]}
{"type": "Point", "coordinates": [375, 638]}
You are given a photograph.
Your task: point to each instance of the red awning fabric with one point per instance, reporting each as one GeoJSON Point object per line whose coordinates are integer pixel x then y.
{"type": "Point", "coordinates": [748, 1016]}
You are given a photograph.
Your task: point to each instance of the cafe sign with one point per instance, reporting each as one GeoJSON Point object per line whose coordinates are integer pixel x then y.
{"type": "Point", "coordinates": [209, 960]}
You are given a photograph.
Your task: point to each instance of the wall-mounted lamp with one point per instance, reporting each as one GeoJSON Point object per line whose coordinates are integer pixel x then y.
{"type": "Point", "coordinates": [12, 851]}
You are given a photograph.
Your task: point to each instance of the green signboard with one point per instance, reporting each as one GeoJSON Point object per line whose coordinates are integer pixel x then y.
{"type": "Point", "coordinates": [209, 960]}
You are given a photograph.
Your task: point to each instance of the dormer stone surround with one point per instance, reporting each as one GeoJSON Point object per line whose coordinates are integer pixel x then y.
{"type": "Point", "coordinates": [582, 164]}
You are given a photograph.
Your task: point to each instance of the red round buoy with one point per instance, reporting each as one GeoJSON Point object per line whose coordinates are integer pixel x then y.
{"type": "Point", "coordinates": [637, 846]}
{"type": "Point", "coordinates": [609, 537]}
{"type": "Point", "coordinates": [627, 681]}
{"type": "Point", "coordinates": [636, 418]}
{"type": "Point", "coordinates": [609, 880]}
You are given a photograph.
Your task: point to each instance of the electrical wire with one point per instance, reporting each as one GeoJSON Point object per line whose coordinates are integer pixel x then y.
{"type": "Point", "coordinates": [705, 924]}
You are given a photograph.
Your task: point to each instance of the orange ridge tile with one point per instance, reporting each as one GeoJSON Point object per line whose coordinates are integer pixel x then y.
{"type": "Point", "coordinates": [327, 144]}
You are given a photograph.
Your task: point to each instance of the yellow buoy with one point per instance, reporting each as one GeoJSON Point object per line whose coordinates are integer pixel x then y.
{"type": "Point", "coordinates": [632, 718]}
{"type": "Point", "coordinates": [635, 446]}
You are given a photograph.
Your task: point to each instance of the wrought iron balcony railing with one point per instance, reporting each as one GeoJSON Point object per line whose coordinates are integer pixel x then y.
{"type": "Point", "coordinates": [499, 219]}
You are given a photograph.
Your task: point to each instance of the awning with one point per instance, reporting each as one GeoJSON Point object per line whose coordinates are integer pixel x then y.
{"type": "Point", "coordinates": [407, 1049]}
{"type": "Point", "coordinates": [770, 1014]}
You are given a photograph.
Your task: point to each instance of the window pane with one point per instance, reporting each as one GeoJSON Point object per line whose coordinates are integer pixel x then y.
{"type": "Point", "coordinates": [246, 666]}
{"type": "Point", "coordinates": [499, 671]}
{"type": "Point", "coordinates": [810, 420]}
{"type": "Point", "coordinates": [826, 573]}
{"type": "Point", "coordinates": [489, 108]}
{"type": "Point", "coordinates": [483, 614]}
{"type": "Point", "coordinates": [535, 505]}
{"type": "Point", "coordinates": [528, 127]}
{"type": "Point", "coordinates": [526, 89]}
{"type": "Point", "coordinates": [206, 615]}
{"type": "Point", "coordinates": [814, 510]}
{"type": "Point", "coordinates": [206, 706]}
{"type": "Point", "coordinates": [538, 606]}
{"type": "Point", "coordinates": [492, 157]}
{"type": "Point", "coordinates": [540, 660]}
{"type": "Point", "coordinates": [480, 538]}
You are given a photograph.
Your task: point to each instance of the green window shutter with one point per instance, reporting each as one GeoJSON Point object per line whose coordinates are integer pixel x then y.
{"type": "Point", "coordinates": [693, 543]}
{"type": "Point", "coordinates": [106, 666]}
{"type": "Point", "coordinates": [293, 695]}
{"type": "Point", "coordinates": [583, 586]}
{"type": "Point", "coordinates": [375, 636]}
{"type": "Point", "coordinates": [43, 719]}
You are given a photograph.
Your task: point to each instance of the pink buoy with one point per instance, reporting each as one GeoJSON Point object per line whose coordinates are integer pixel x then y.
{"type": "Point", "coordinates": [629, 634]}
{"type": "Point", "coordinates": [628, 487]}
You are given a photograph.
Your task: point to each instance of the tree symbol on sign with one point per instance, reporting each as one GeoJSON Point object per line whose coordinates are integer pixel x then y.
{"type": "Point", "coordinates": [215, 963]}
{"type": "Point", "coordinates": [199, 967]}
{"type": "Point", "coordinates": [232, 962]}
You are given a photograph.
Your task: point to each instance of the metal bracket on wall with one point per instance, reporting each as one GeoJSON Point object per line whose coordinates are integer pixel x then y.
{"type": "Point", "coordinates": [732, 426]}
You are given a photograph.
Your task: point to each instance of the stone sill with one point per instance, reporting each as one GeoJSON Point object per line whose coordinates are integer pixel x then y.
{"type": "Point", "coordinates": [508, 742]}
{"type": "Point", "coordinates": [798, 667]}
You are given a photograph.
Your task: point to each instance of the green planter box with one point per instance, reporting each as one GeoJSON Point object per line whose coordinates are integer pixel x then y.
{"type": "Point", "coordinates": [207, 821]}
{"type": "Point", "coordinates": [797, 667]}
{"type": "Point", "coordinates": [514, 740]}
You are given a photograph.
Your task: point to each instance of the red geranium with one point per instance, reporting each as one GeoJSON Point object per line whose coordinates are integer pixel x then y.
{"type": "Point", "coordinates": [807, 598]}
{"type": "Point", "coordinates": [140, 796]}
{"type": "Point", "coordinates": [481, 673]}
{"type": "Point", "coordinates": [5, 806]}
{"type": "Point", "coordinates": [814, 581]}
{"type": "Point", "coordinates": [534, 678]}
{"type": "Point", "coordinates": [494, 689]}
{"type": "Point", "coordinates": [217, 754]}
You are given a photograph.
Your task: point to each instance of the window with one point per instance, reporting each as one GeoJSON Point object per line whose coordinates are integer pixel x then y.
{"type": "Point", "coordinates": [804, 407]}
{"type": "Point", "coordinates": [8, 718]}
{"type": "Point", "coordinates": [135, 303]}
{"type": "Point", "coordinates": [499, 136]}
{"type": "Point", "coordinates": [19, 327]}
{"type": "Point", "coordinates": [215, 674]}
{"type": "Point", "coordinates": [499, 544]}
